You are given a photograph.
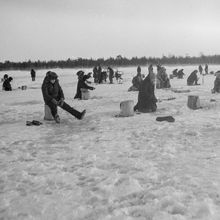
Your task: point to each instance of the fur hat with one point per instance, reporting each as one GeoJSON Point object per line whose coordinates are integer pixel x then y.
{"type": "Point", "coordinates": [52, 75]}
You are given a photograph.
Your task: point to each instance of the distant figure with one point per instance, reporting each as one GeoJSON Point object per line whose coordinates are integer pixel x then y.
{"type": "Point", "coordinates": [163, 80]}
{"type": "Point", "coordinates": [139, 70]}
{"type": "Point", "coordinates": [33, 74]}
{"type": "Point", "coordinates": [7, 84]}
{"type": "Point", "coordinates": [217, 83]}
{"type": "Point", "coordinates": [53, 97]}
{"type": "Point", "coordinates": [110, 75]}
{"type": "Point", "coordinates": [104, 77]}
{"type": "Point", "coordinates": [82, 84]}
{"type": "Point", "coordinates": [206, 69]}
{"type": "Point", "coordinates": [200, 69]}
{"type": "Point", "coordinates": [99, 74]}
{"type": "Point", "coordinates": [118, 76]}
{"type": "Point", "coordinates": [146, 98]}
{"type": "Point", "coordinates": [193, 78]}
{"type": "Point", "coordinates": [3, 80]}
{"type": "Point", "coordinates": [175, 71]}
{"type": "Point", "coordinates": [180, 74]}
{"type": "Point", "coordinates": [95, 74]}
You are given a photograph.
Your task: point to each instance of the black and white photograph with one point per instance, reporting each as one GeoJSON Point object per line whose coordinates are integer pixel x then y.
{"type": "Point", "coordinates": [110, 110]}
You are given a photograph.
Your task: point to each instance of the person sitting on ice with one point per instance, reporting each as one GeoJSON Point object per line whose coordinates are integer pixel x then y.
{"type": "Point", "coordinates": [217, 83]}
{"type": "Point", "coordinates": [193, 78]}
{"type": "Point", "coordinates": [82, 85]}
{"type": "Point", "coordinates": [7, 84]}
{"type": "Point", "coordinates": [136, 81]}
{"type": "Point", "coordinates": [163, 80]}
{"type": "Point", "coordinates": [146, 97]}
{"type": "Point", "coordinates": [175, 71]}
{"type": "Point", "coordinates": [53, 97]}
{"type": "Point", "coordinates": [180, 74]}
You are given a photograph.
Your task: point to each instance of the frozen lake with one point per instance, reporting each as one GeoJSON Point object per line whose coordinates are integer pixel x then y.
{"type": "Point", "coordinates": [108, 168]}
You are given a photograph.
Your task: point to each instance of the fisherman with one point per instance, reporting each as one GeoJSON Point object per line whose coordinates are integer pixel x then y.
{"type": "Point", "coordinates": [217, 83]}
{"type": "Point", "coordinates": [7, 84]}
{"type": "Point", "coordinates": [110, 75]}
{"type": "Point", "coordinates": [53, 97]}
{"type": "Point", "coordinates": [200, 69]}
{"type": "Point", "coordinates": [162, 78]}
{"type": "Point", "coordinates": [206, 69]}
{"type": "Point", "coordinates": [82, 84]}
{"type": "Point", "coordinates": [33, 74]}
{"type": "Point", "coordinates": [180, 74]}
{"type": "Point", "coordinates": [193, 78]}
{"type": "Point", "coordinates": [146, 97]}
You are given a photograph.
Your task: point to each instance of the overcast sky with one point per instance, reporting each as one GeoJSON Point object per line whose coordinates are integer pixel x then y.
{"type": "Point", "coordinates": [61, 29]}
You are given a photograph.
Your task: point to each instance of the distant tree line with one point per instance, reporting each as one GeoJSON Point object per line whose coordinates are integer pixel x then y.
{"type": "Point", "coordinates": [118, 61]}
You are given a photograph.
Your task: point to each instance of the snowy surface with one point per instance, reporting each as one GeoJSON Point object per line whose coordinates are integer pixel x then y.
{"type": "Point", "coordinates": [106, 167]}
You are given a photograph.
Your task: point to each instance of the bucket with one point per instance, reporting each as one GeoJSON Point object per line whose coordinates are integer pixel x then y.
{"type": "Point", "coordinates": [47, 113]}
{"type": "Point", "coordinates": [85, 94]}
{"type": "Point", "coordinates": [23, 87]}
{"type": "Point", "coordinates": [127, 108]}
{"type": "Point", "coordinates": [193, 102]}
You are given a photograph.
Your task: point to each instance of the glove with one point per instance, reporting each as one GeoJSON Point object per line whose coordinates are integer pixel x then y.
{"type": "Point", "coordinates": [54, 101]}
{"type": "Point", "coordinates": [61, 101]}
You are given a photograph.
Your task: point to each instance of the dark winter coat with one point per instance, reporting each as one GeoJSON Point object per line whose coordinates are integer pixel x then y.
{"type": "Point", "coordinates": [33, 73]}
{"type": "Point", "coordinates": [81, 85]}
{"type": "Point", "coordinates": [146, 98]}
{"type": "Point", "coordinates": [192, 79]}
{"type": "Point", "coordinates": [51, 91]}
{"type": "Point", "coordinates": [217, 84]}
{"type": "Point", "coordinates": [7, 85]}
{"type": "Point", "coordinates": [136, 81]}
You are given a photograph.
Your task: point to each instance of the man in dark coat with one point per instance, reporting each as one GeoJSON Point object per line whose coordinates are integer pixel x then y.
{"type": "Point", "coordinates": [53, 97]}
{"type": "Point", "coordinates": [146, 98]}
{"type": "Point", "coordinates": [110, 75]}
{"type": "Point", "coordinates": [7, 84]}
{"type": "Point", "coordinates": [217, 83]}
{"type": "Point", "coordinates": [82, 85]}
{"type": "Point", "coordinates": [193, 78]}
{"type": "Point", "coordinates": [180, 74]}
{"type": "Point", "coordinates": [33, 74]}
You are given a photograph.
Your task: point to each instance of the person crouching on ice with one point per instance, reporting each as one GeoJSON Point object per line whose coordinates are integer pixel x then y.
{"type": "Point", "coordinates": [53, 97]}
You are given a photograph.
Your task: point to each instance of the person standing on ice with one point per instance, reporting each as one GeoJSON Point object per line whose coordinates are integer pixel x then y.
{"type": "Point", "coordinates": [193, 78]}
{"type": "Point", "coordinates": [146, 97]}
{"type": "Point", "coordinates": [110, 75]}
{"type": "Point", "coordinates": [200, 69]}
{"type": "Point", "coordinates": [53, 97]}
{"type": "Point", "coordinates": [82, 84]}
{"type": "Point", "coordinates": [206, 69]}
{"type": "Point", "coordinates": [33, 74]}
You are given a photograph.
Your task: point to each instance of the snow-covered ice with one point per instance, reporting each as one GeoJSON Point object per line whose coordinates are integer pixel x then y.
{"type": "Point", "coordinates": [106, 167]}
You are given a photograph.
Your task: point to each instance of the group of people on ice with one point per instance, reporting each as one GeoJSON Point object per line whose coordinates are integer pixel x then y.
{"type": "Point", "coordinates": [54, 97]}
{"type": "Point", "coordinates": [6, 83]}
{"type": "Point", "coordinates": [101, 76]}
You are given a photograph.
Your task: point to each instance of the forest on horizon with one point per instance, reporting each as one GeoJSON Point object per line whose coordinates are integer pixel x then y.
{"type": "Point", "coordinates": [118, 61]}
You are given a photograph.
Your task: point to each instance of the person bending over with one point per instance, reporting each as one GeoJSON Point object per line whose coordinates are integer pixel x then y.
{"type": "Point", "coordinates": [53, 97]}
{"type": "Point", "coordinates": [82, 84]}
